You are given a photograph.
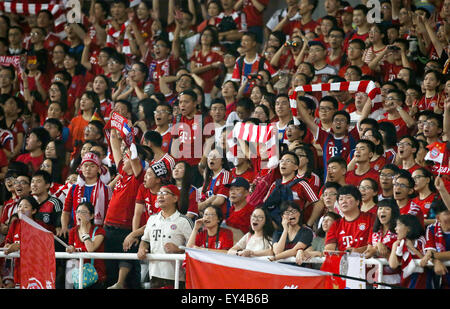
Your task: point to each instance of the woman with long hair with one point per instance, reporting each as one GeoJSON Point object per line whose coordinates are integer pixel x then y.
{"type": "Point", "coordinates": [258, 241]}
{"type": "Point", "coordinates": [306, 167]}
{"type": "Point", "coordinates": [57, 93]}
{"type": "Point", "coordinates": [293, 235]}
{"type": "Point", "coordinates": [85, 236]}
{"type": "Point", "coordinates": [426, 193]}
{"type": "Point", "coordinates": [102, 87]}
{"type": "Point", "coordinates": [383, 237]}
{"type": "Point", "coordinates": [56, 153]}
{"type": "Point", "coordinates": [189, 195]}
{"type": "Point", "coordinates": [206, 62]}
{"type": "Point", "coordinates": [387, 130]}
{"type": "Point", "coordinates": [369, 195]}
{"type": "Point", "coordinates": [208, 234]}
{"type": "Point", "coordinates": [89, 103]}
{"type": "Point", "coordinates": [318, 242]}
{"type": "Point", "coordinates": [410, 245]}
{"type": "Point", "coordinates": [216, 176]}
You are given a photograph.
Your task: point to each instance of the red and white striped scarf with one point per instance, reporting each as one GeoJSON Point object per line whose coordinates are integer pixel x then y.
{"type": "Point", "coordinates": [99, 198]}
{"type": "Point", "coordinates": [408, 265]}
{"type": "Point", "coordinates": [366, 86]}
{"type": "Point", "coordinates": [263, 134]}
{"type": "Point", "coordinates": [25, 8]}
{"type": "Point", "coordinates": [113, 35]}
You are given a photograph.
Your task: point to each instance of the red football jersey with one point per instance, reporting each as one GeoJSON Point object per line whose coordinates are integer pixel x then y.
{"type": "Point", "coordinates": [240, 219]}
{"type": "Point", "coordinates": [351, 178]}
{"type": "Point", "coordinates": [351, 234]}
{"type": "Point", "coordinates": [424, 204]}
{"type": "Point", "coordinates": [148, 199]}
{"type": "Point", "coordinates": [121, 206]}
{"type": "Point", "coordinates": [223, 242]}
{"type": "Point", "coordinates": [74, 240]}
{"type": "Point", "coordinates": [413, 209]}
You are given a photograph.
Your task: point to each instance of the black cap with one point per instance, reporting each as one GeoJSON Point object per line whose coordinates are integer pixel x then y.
{"type": "Point", "coordinates": [239, 182]}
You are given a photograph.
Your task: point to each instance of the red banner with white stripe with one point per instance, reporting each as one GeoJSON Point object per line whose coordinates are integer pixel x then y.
{"type": "Point", "coordinates": [366, 86]}
{"type": "Point", "coordinates": [212, 270]}
{"type": "Point", "coordinates": [25, 8]}
{"type": "Point", "coordinates": [37, 256]}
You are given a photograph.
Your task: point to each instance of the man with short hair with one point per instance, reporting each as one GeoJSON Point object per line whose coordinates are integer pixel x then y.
{"type": "Point", "coordinates": [336, 170]}
{"type": "Point", "coordinates": [7, 75]}
{"type": "Point", "coordinates": [154, 142]}
{"type": "Point", "coordinates": [35, 145]}
{"type": "Point", "coordinates": [433, 128]}
{"type": "Point", "coordinates": [318, 56]}
{"type": "Point", "coordinates": [364, 151]}
{"type": "Point", "coordinates": [50, 208]}
{"type": "Point", "coordinates": [163, 121]}
{"type": "Point", "coordinates": [189, 130]}
{"type": "Point", "coordinates": [163, 234]}
{"type": "Point", "coordinates": [339, 141]}
{"type": "Point", "coordinates": [352, 231]}
{"type": "Point", "coordinates": [403, 192]}
{"type": "Point", "coordinates": [251, 62]}
{"type": "Point", "coordinates": [15, 39]}
{"type": "Point", "coordinates": [407, 152]}
{"type": "Point", "coordinates": [240, 212]}
{"type": "Point", "coordinates": [354, 52]}
{"type": "Point", "coordinates": [385, 180]}
{"type": "Point", "coordinates": [302, 192]}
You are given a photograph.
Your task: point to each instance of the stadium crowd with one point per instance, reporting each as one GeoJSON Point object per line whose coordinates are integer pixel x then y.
{"type": "Point", "coordinates": [354, 172]}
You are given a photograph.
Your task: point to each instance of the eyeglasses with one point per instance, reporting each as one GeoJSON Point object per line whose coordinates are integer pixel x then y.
{"type": "Point", "coordinates": [417, 177]}
{"type": "Point", "coordinates": [287, 161]}
{"type": "Point", "coordinates": [401, 185]}
{"type": "Point", "coordinates": [392, 99]}
{"type": "Point", "coordinates": [82, 212]}
{"type": "Point", "coordinates": [387, 175]}
{"type": "Point", "coordinates": [325, 109]}
{"type": "Point", "coordinates": [21, 182]}
{"type": "Point", "coordinates": [364, 188]}
{"type": "Point", "coordinates": [209, 215]}
{"type": "Point", "coordinates": [338, 120]}
{"type": "Point", "coordinates": [290, 211]}
{"type": "Point", "coordinates": [161, 112]}
{"type": "Point", "coordinates": [330, 194]}
{"type": "Point", "coordinates": [429, 123]}
{"type": "Point", "coordinates": [403, 144]}
{"type": "Point", "coordinates": [164, 193]}
{"type": "Point", "coordinates": [258, 218]}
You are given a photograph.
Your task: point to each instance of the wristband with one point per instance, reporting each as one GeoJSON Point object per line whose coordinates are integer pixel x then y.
{"type": "Point", "coordinates": [85, 237]}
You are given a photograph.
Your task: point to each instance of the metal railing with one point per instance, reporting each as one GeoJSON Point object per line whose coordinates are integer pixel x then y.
{"type": "Point", "coordinates": [178, 258]}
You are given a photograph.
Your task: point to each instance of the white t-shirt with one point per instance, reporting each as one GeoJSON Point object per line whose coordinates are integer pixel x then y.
{"type": "Point", "coordinates": [159, 230]}
{"type": "Point", "coordinates": [253, 243]}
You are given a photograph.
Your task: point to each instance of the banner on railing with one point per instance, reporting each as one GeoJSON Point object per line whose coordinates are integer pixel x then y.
{"type": "Point", "coordinates": [212, 270]}
{"type": "Point", "coordinates": [345, 264]}
{"type": "Point", "coordinates": [37, 256]}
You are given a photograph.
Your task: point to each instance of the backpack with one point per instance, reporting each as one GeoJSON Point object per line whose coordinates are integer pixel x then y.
{"type": "Point", "coordinates": [262, 185]}
{"type": "Point", "coordinates": [281, 193]}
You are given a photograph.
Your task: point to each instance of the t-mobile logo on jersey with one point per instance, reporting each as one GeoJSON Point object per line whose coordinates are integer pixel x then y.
{"type": "Point", "coordinates": [374, 14]}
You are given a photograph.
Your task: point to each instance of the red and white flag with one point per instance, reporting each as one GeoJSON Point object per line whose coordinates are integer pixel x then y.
{"type": "Point", "coordinates": [261, 134]}
{"type": "Point", "coordinates": [342, 263]}
{"type": "Point", "coordinates": [37, 256]}
{"type": "Point", "coordinates": [366, 86]}
{"type": "Point", "coordinates": [436, 152]}
{"type": "Point", "coordinates": [212, 270]}
{"type": "Point", "coordinates": [25, 8]}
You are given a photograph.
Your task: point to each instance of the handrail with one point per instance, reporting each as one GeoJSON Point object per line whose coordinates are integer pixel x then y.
{"type": "Point", "coordinates": [181, 257]}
